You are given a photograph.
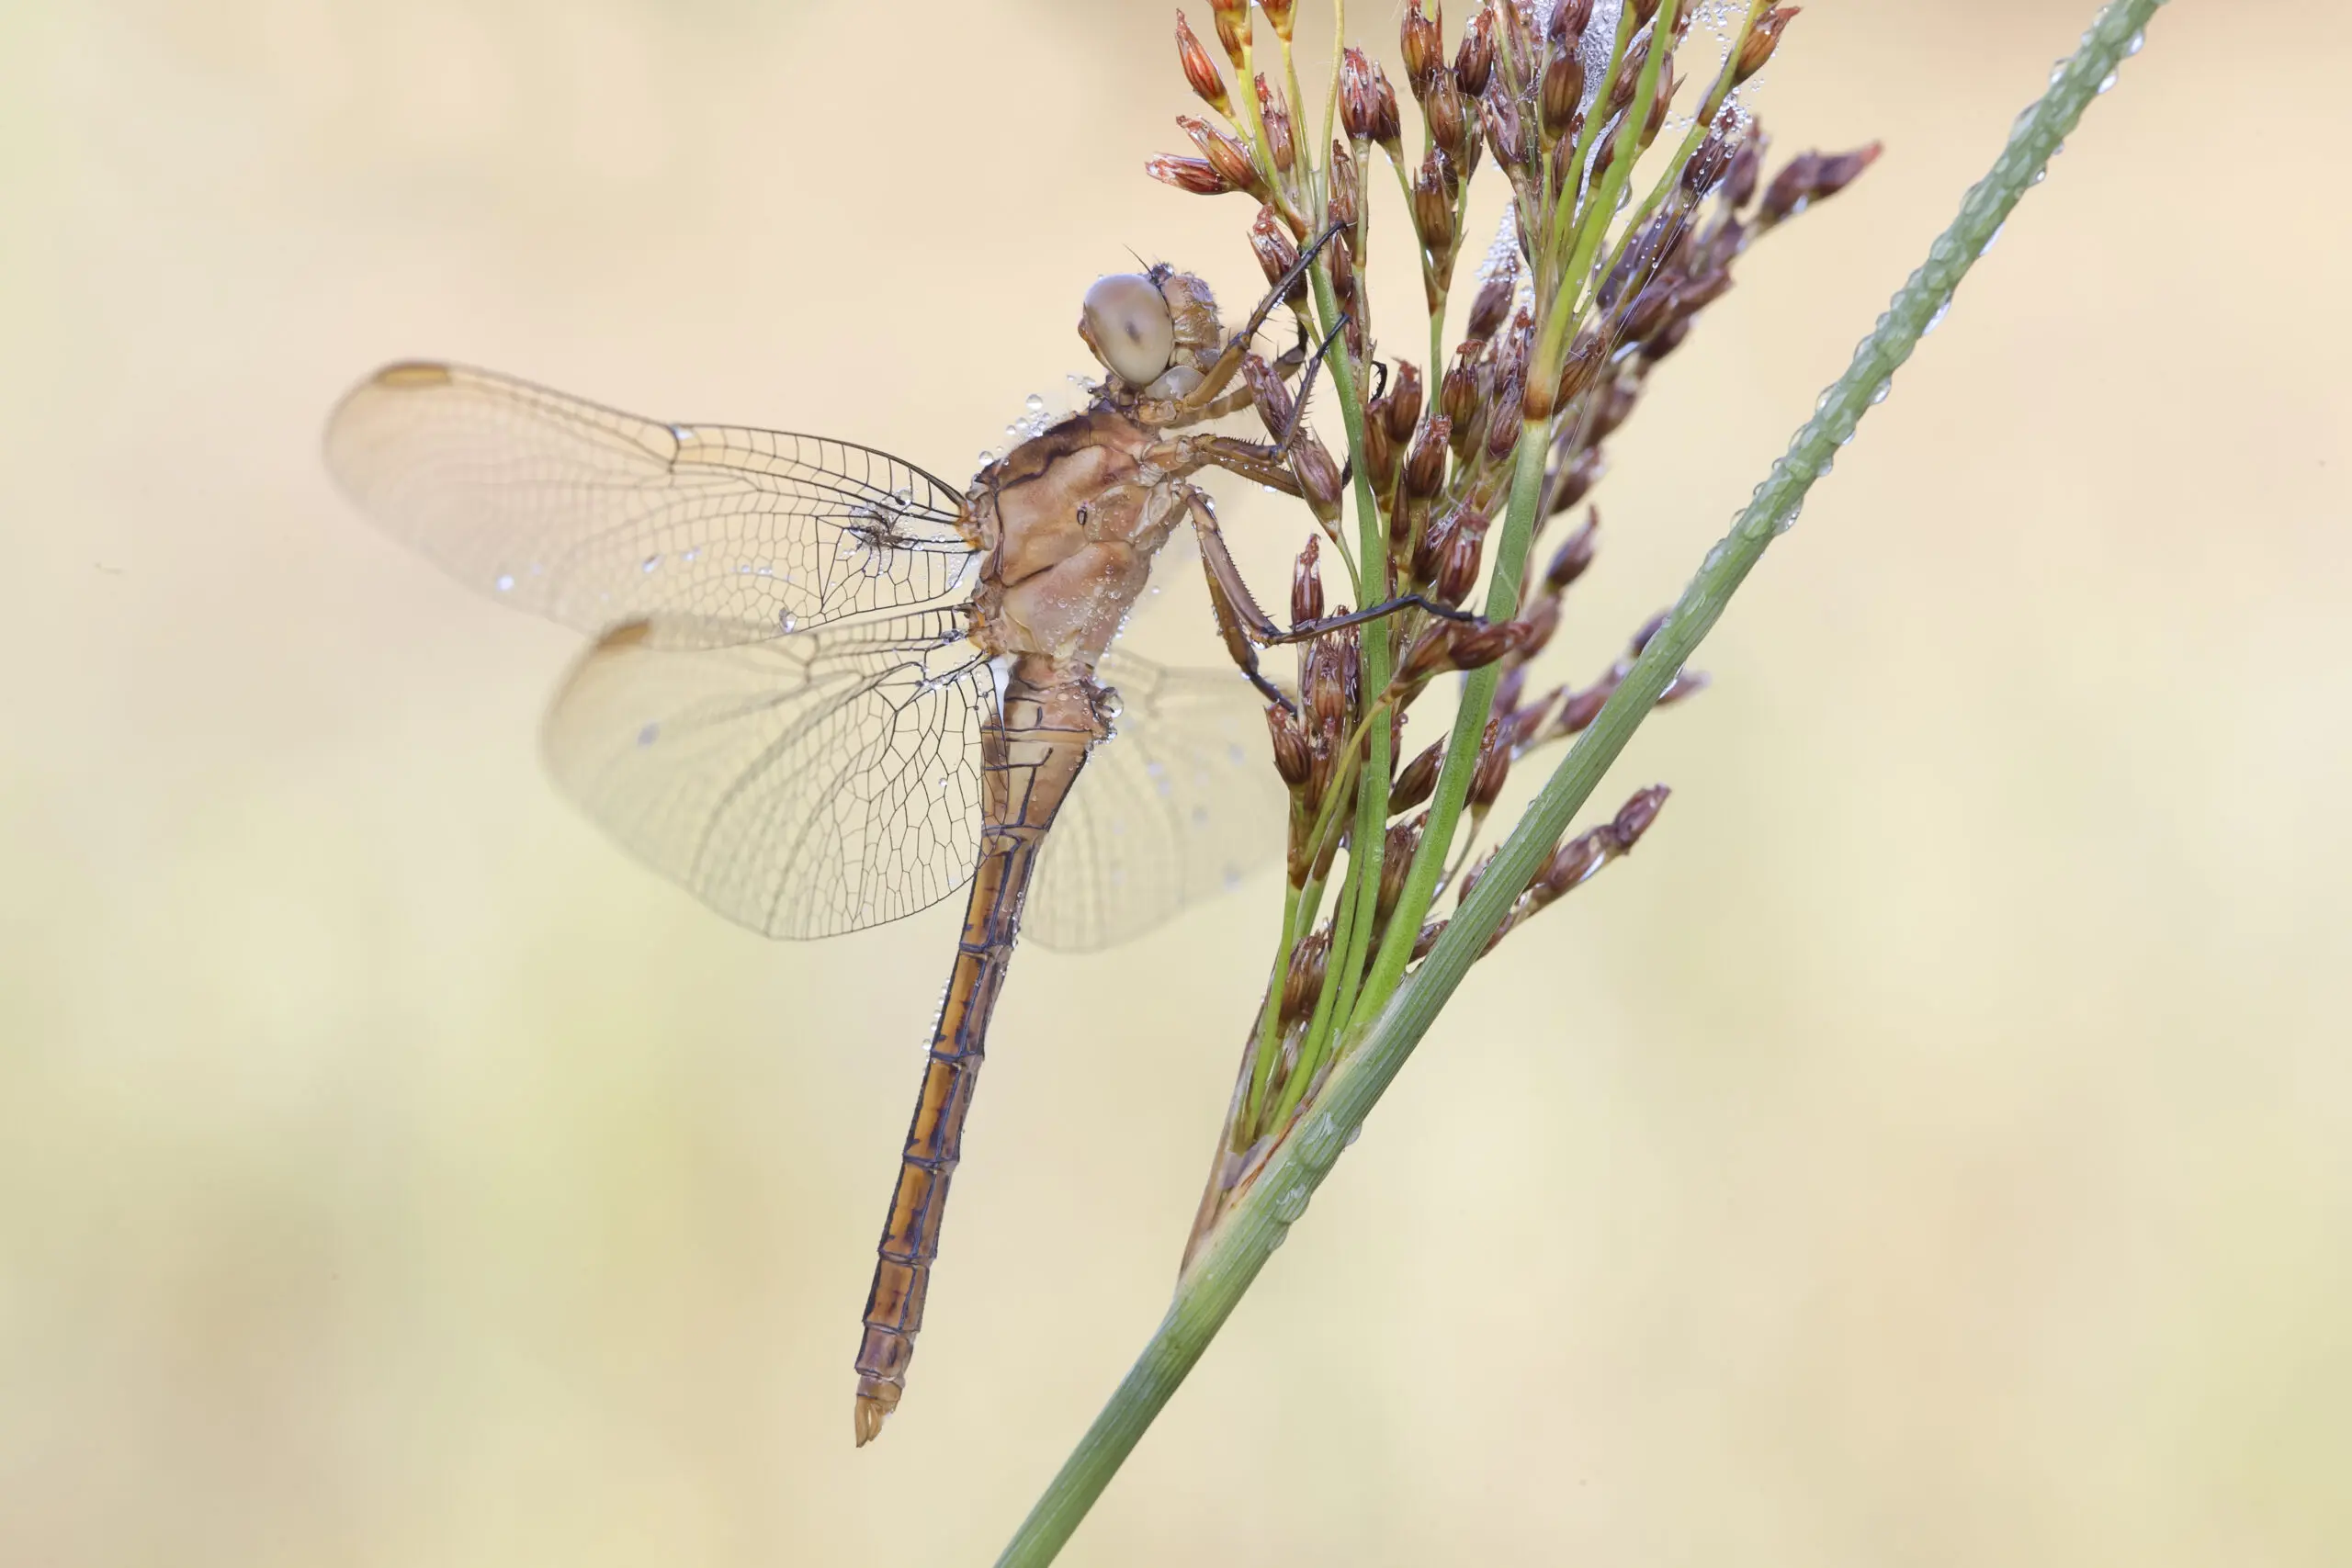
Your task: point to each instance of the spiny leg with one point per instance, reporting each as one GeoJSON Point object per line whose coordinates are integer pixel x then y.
{"type": "Point", "coordinates": [1246, 628]}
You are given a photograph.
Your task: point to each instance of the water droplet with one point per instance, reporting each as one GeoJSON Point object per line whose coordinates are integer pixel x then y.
{"type": "Point", "coordinates": [1035, 405]}
{"type": "Point", "coordinates": [1938, 319]}
{"type": "Point", "coordinates": [2106, 83]}
{"type": "Point", "coordinates": [787, 622]}
{"type": "Point", "coordinates": [1879, 393]}
{"type": "Point", "coordinates": [651, 562]}
{"type": "Point", "coordinates": [647, 736]}
{"type": "Point", "coordinates": [506, 584]}
{"type": "Point", "coordinates": [903, 496]}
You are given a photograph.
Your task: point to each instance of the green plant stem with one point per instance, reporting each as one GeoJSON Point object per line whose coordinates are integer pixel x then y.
{"type": "Point", "coordinates": [1255, 1226]}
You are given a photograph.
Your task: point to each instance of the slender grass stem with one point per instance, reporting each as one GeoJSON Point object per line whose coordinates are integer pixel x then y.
{"type": "Point", "coordinates": [1256, 1225]}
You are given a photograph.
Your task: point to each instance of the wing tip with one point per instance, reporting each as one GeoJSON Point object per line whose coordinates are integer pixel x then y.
{"type": "Point", "coordinates": [403, 374]}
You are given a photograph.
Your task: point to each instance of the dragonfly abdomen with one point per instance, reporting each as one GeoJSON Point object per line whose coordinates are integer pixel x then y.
{"type": "Point", "coordinates": [1032, 758]}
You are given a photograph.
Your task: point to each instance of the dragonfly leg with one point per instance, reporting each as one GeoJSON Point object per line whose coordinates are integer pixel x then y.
{"type": "Point", "coordinates": [1246, 628]}
{"type": "Point", "coordinates": [1260, 460]}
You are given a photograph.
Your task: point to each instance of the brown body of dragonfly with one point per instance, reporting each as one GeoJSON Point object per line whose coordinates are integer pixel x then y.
{"type": "Point", "coordinates": [1067, 525]}
{"type": "Point", "coordinates": [787, 711]}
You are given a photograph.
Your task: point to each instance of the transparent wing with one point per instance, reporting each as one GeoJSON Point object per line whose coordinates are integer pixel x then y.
{"type": "Point", "coordinates": [593, 517]}
{"type": "Point", "coordinates": [804, 786]}
{"type": "Point", "coordinates": [1180, 803]}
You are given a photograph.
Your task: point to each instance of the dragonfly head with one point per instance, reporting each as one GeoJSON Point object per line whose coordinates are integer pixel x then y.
{"type": "Point", "coordinates": [1158, 331]}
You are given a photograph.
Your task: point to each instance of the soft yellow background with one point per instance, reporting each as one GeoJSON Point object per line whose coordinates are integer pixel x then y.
{"type": "Point", "coordinates": [1931, 1149]}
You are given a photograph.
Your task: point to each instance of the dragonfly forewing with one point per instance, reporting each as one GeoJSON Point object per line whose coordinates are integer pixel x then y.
{"type": "Point", "coordinates": [593, 517]}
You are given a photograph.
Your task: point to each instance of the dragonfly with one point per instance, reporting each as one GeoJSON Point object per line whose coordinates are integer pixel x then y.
{"type": "Point", "coordinates": [826, 688]}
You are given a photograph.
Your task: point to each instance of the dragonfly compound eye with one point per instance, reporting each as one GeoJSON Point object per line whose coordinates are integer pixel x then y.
{"type": "Point", "coordinates": [1125, 321]}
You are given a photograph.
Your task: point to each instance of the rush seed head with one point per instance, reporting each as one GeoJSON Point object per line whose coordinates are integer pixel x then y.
{"type": "Point", "coordinates": [1200, 71]}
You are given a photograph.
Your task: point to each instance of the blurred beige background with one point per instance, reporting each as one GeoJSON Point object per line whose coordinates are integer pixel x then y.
{"type": "Point", "coordinates": [1931, 1149]}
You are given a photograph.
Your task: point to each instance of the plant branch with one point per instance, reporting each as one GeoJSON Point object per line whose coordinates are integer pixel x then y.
{"type": "Point", "coordinates": [1250, 1232]}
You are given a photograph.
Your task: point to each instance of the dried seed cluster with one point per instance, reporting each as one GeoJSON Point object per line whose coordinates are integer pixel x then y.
{"type": "Point", "coordinates": [1461, 461]}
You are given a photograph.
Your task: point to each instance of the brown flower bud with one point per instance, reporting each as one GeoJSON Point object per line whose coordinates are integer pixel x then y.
{"type": "Point", "coordinates": [1278, 12]}
{"type": "Point", "coordinates": [1471, 877]}
{"type": "Point", "coordinates": [1474, 61]}
{"type": "Point", "coordinates": [1193, 175]}
{"type": "Point", "coordinates": [1506, 130]}
{"type": "Point", "coordinates": [1707, 166]}
{"type": "Point", "coordinates": [1292, 759]}
{"type": "Point", "coordinates": [1464, 390]}
{"type": "Point", "coordinates": [1668, 84]}
{"type": "Point", "coordinates": [1277, 252]}
{"type": "Point", "coordinates": [1200, 71]}
{"type": "Point", "coordinates": [1649, 629]}
{"type": "Point", "coordinates": [1575, 554]}
{"type": "Point", "coordinates": [1226, 156]}
{"type": "Point", "coordinates": [1431, 654]}
{"type": "Point", "coordinates": [1570, 488]}
{"type": "Point", "coordinates": [1493, 767]}
{"type": "Point", "coordinates": [1633, 818]}
{"type": "Point", "coordinates": [1396, 864]}
{"type": "Point", "coordinates": [1475, 646]}
{"type": "Point", "coordinates": [1359, 101]}
{"type": "Point", "coordinates": [1424, 47]}
{"type": "Point", "coordinates": [1457, 564]}
{"type": "Point", "coordinates": [1812, 177]}
{"type": "Point", "coordinates": [1425, 463]}
{"type": "Point", "coordinates": [1581, 708]}
{"type": "Point", "coordinates": [1536, 627]}
{"type": "Point", "coordinates": [1492, 307]}
{"type": "Point", "coordinates": [1267, 393]}
{"type": "Point", "coordinates": [1649, 312]}
{"type": "Point", "coordinates": [1342, 208]}
{"type": "Point", "coordinates": [1755, 49]}
{"type": "Point", "coordinates": [1433, 208]}
{"type": "Point", "coordinates": [1569, 20]}
{"type": "Point", "coordinates": [1379, 452]}
{"type": "Point", "coordinates": [1328, 698]}
{"type": "Point", "coordinates": [1387, 125]}
{"type": "Point", "coordinates": [1319, 476]}
{"type": "Point", "coordinates": [1586, 357]}
{"type": "Point", "coordinates": [1571, 863]}
{"type": "Point", "coordinates": [1628, 80]}
{"type": "Point", "coordinates": [1403, 404]}
{"type": "Point", "coordinates": [1448, 113]}
{"type": "Point", "coordinates": [1418, 781]}
{"type": "Point", "coordinates": [1233, 27]}
{"type": "Point", "coordinates": [1562, 94]}
{"type": "Point", "coordinates": [1746, 168]}
{"type": "Point", "coordinates": [1503, 422]}
{"type": "Point", "coordinates": [1643, 11]}
{"type": "Point", "coordinates": [1276, 118]}
{"type": "Point", "coordinates": [1306, 585]}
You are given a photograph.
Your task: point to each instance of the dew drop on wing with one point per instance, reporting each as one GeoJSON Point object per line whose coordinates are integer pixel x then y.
{"type": "Point", "coordinates": [506, 584]}
{"type": "Point", "coordinates": [652, 564]}
{"type": "Point", "coordinates": [787, 622]}
{"type": "Point", "coordinates": [1035, 405]}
